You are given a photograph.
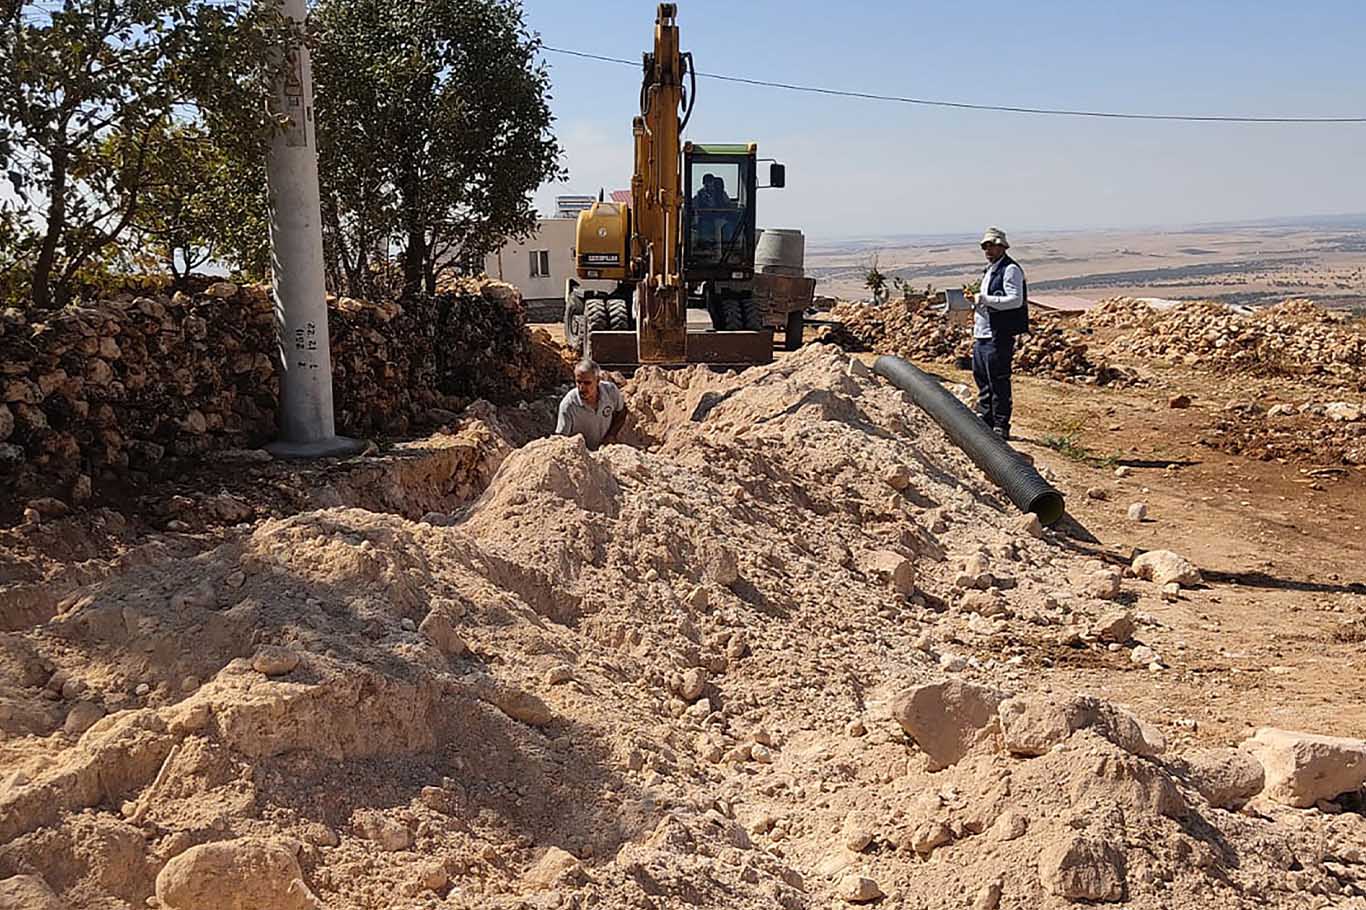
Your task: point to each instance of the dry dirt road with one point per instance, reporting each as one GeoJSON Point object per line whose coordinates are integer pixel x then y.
{"type": "Point", "coordinates": [1277, 634]}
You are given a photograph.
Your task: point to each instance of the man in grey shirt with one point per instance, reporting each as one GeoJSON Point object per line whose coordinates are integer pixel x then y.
{"type": "Point", "coordinates": [594, 409]}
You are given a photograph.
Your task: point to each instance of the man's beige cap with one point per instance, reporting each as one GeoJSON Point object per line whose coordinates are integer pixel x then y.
{"type": "Point", "coordinates": [995, 235]}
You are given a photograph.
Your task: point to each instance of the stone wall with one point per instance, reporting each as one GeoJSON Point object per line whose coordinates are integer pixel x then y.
{"type": "Point", "coordinates": [126, 389]}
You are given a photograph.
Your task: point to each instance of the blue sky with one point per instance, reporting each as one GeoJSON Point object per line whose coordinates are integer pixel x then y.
{"type": "Point", "coordinates": [863, 168]}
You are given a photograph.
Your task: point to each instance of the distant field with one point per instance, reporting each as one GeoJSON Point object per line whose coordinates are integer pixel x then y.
{"type": "Point", "coordinates": [1248, 264]}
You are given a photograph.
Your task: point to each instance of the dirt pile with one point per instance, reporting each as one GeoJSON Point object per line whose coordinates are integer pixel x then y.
{"type": "Point", "coordinates": [911, 328]}
{"type": "Point", "coordinates": [1318, 433]}
{"type": "Point", "coordinates": [675, 675]}
{"type": "Point", "coordinates": [133, 387]}
{"type": "Point", "coordinates": [1293, 338]}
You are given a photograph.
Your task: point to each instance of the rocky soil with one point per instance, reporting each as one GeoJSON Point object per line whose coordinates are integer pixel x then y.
{"type": "Point", "coordinates": [789, 650]}
{"type": "Point", "coordinates": [911, 327]}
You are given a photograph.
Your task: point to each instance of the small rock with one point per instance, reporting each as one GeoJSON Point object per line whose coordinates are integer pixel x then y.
{"type": "Point", "coordinates": [273, 660]}
{"type": "Point", "coordinates": [692, 684]}
{"type": "Point", "coordinates": [28, 892]}
{"type": "Point", "coordinates": [761, 753]}
{"type": "Point", "coordinates": [436, 627]}
{"type": "Point", "coordinates": [1143, 655]}
{"type": "Point", "coordinates": [722, 568]}
{"type": "Point", "coordinates": [189, 684]}
{"type": "Point", "coordinates": [1098, 493]}
{"type": "Point", "coordinates": [1123, 471]}
{"type": "Point", "coordinates": [856, 835]}
{"type": "Point", "coordinates": [1163, 566]}
{"type": "Point", "coordinates": [142, 689]}
{"type": "Point", "coordinates": [1033, 724]}
{"type": "Point", "coordinates": [1116, 626]}
{"type": "Point", "coordinates": [1138, 511]}
{"type": "Point", "coordinates": [699, 598]}
{"type": "Point", "coordinates": [953, 663]}
{"type": "Point", "coordinates": [858, 889]}
{"type": "Point", "coordinates": [82, 717]}
{"type": "Point", "coordinates": [1082, 868]}
{"type": "Point", "coordinates": [988, 896]}
{"type": "Point", "coordinates": [81, 488]}
{"type": "Point", "coordinates": [930, 836]}
{"type": "Point", "coordinates": [858, 369]}
{"type": "Point", "coordinates": [221, 290]}
{"type": "Point", "coordinates": [1104, 584]}
{"type": "Point", "coordinates": [229, 875]}
{"type": "Point", "coordinates": [235, 580]}
{"type": "Point", "coordinates": [1171, 591]}
{"type": "Point", "coordinates": [559, 675]}
{"type": "Point", "coordinates": [946, 719]}
{"type": "Point", "coordinates": [855, 728]}
{"type": "Point", "coordinates": [1342, 411]}
{"type": "Point", "coordinates": [1228, 778]}
{"type": "Point", "coordinates": [1179, 402]}
{"type": "Point", "coordinates": [433, 877]}
{"type": "Point", "coordinates": [407, 624]}
{"type": "Point", "coordinates": [1029, 523]}
{"type": "Point", "coordinates": [983, 603]}
{"type": "Point", "coordinates": [1010, 825]}
{"type": "Point", "coordinates": [898, 477]}
{"type": "Point", "coordinates": [391, 835]}
{"type": "Point", "coordinates": [1304, 768]}
{"type": "Point", "coordinates": [890, 568]}
{"type": "Point", "coordinates": [48, 507]}
{"type": "Point", "coordinates": [555, 868]}
{"type": "Point", "coordinates": [73, 688]}
{"type": "Point", "coordinates": [518, 705]}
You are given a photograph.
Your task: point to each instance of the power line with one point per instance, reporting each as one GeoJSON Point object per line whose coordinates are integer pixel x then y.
{"type": "Point", "coordinates": [963, 105]}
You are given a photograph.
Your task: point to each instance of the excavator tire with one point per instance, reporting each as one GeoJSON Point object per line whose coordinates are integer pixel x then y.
{"type": "Point", "coordinates": [731, 317]}
{"type": "Point", "coordinates": [618, 314]}
{"type": "Point", "coordinates": [751, 316]}
{"type": "Point", "coordinates": [573, 321]}
{"type": "Point", "coordinates": [595, 319]}
{"type": "Point", "coordinates": [795, 321]}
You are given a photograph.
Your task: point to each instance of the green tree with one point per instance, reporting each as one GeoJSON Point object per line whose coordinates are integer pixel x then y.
{"type": "Point", "coordinates": [200, 204]}
{"type": "Point", "coordinates": [73, 77]}
{"type": "Point", "coordinates": [875, 280]}
{"type": "Point", "coordinates": [433, 131]}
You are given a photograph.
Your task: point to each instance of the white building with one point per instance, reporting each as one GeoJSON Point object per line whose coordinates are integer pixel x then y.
{"type": "Point", "coordinates": [538, 266]}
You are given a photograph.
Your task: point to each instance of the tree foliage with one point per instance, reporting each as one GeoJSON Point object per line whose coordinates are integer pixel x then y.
{"type": "Point", "coordinates": [433, 130]}
{"type": "Point", "coordinates": [200, 203]}
{"type": "Point", "coordinates": [92, 94]}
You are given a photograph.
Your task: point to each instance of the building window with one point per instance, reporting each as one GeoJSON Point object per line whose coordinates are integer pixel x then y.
{"type": "Point", "coordinates": [540, 263]}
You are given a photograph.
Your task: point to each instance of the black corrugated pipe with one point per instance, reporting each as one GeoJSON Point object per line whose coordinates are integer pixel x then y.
{"type": "Point", "coordinates": [1016, 477]}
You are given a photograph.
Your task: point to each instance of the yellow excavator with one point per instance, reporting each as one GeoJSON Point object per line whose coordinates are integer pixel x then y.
{"type": "Point", "coordinates": [685, 240]}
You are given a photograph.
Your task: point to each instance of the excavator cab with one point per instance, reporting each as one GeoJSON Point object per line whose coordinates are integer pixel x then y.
{"type": "Point", "coordinates": [718, 212]}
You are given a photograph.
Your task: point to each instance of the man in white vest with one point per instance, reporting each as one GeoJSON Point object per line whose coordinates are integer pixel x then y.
{"type": "Point", "coordinates": [1001, 313]}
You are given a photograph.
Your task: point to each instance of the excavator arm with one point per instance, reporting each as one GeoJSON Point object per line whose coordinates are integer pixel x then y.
{"type": "Point", "coordinates": [656, 195]}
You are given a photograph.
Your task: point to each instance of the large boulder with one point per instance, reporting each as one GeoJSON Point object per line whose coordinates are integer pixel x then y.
{"type": "Point", "coordinates": [28, 892]}
{"type": "Point", "coordinates": [1082, 868]}
{"type": "Point", "coordinates": [1303, 768]}
{"type": "Point", "coordinates": [1034, 724]}
{"type": "Point", "coordinates": [235, 875]}
{"type": "Point", "coordinates": [947, 719]}
{"type": "Point", "coordinates": [1228, 778]}
{"type": "Point", "coordinates": [1163, 567]}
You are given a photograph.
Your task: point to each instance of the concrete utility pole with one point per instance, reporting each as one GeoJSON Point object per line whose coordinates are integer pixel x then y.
{"type": "Point", "coordinates": [296, 246]}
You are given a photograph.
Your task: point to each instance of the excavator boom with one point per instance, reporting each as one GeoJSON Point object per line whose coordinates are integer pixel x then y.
{"type": "Point", "coordinates": [656, 197]}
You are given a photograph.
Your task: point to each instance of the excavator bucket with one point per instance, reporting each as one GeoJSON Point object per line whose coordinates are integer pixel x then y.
{"type": "Point", "coordinates": [663, 325]}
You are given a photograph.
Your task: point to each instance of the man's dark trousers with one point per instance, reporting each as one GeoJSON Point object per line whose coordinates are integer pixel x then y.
{"type": "Point", "coordinates": [991, 368]}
